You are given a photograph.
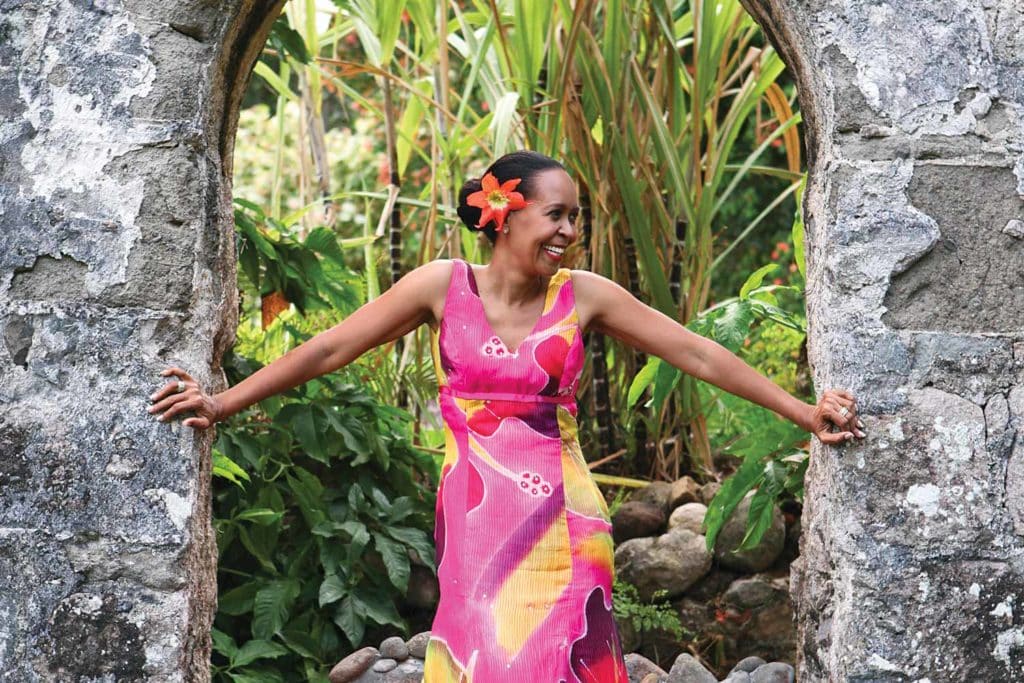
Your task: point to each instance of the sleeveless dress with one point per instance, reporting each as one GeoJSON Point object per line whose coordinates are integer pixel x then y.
{"type": "Point", "coordinates": [523, 536]}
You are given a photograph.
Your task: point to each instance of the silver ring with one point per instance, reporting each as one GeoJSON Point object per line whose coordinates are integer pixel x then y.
{"type": "Point", "coordinates": [844, 411]}
{"type": "Point", "coordinates": [180, 388]}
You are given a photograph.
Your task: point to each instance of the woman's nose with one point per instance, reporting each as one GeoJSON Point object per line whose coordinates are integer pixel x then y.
{"type": "Point", "coordinates": [569, 230]}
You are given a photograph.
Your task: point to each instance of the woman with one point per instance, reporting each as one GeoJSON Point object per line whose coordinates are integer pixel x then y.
{"type": "Point", "coordinates": [523, 536]}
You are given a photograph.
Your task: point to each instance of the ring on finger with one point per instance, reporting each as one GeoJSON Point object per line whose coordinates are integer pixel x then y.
{"type": "Point", "coordinates": [844, 411]}
{"type": "Point", "coordinates": [180, 387]}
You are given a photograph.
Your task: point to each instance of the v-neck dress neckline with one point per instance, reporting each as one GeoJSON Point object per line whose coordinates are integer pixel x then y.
{"type": "Point", "coordinates": [490, 327]}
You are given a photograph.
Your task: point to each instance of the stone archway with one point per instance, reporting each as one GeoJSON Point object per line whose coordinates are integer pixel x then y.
{"type": "Point", "coordinates": [116, 260]}
{"type": "Point", "coordinates": [911, 553]}
{"type": "Point", "coordinates": [116, 142]}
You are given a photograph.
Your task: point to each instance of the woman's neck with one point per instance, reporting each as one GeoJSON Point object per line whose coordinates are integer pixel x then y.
{"type": "Point", "coordinates": [509, 283]}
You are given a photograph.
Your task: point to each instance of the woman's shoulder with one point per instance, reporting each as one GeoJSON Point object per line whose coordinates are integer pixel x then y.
{"type": "Point", "coordinates": [429, 280]}
{"type": "Point", "coordinates": [586, 282]}
{"type": "Point", "coordinates": [436, 271]}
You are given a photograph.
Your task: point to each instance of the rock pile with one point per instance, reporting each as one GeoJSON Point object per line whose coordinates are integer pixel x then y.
{"type": "Point", "coordinates": [400, 661]}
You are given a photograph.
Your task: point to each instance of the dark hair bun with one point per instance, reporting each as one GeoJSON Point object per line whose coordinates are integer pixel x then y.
{"type": "Point", "coordinates": [470, 215]}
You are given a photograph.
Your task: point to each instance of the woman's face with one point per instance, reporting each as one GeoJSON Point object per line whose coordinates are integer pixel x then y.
{"type": "Point", "coordinates": [540, 233]}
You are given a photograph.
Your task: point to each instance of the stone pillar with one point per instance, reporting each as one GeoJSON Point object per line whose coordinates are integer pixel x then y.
{"type": "Point", "coordinates": [117, 121]}
{"type": "Point", "coordinates": [911, 563]}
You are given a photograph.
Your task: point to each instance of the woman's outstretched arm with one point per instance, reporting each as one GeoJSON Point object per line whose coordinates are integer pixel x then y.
{"type": "Point", "coordinates": [406, 305]}
{"type": "Point", "coordinates": [607, 307]}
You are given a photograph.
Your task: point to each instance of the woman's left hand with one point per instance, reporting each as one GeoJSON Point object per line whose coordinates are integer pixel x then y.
{"type": "Point", "coordinates": [836, 407]}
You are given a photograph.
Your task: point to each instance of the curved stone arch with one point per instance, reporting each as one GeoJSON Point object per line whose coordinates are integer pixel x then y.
{"type": "Point", "coordinates": [910, 563]}
{"type": "Point", "coordinates": [118, 122]}
{"type": "Point", "coordinates": [116, 260]}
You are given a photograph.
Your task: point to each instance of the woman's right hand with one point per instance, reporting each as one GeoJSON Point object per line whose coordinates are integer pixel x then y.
{"type": "Point", "coordinates": [206, 409]}
{"type": "Point", "coordinates": [837, 407]}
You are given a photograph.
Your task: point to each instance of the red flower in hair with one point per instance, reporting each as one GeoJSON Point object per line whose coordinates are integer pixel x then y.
{"type": "Point", "coordinates": [496, 201]}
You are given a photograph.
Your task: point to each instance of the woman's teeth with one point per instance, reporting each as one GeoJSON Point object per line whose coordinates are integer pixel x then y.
{"type": "Point", "coordinates": [557, 251]}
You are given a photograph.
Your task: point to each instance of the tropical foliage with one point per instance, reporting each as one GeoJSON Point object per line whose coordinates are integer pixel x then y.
{"type": "Point", "coordinates": [363, 118]}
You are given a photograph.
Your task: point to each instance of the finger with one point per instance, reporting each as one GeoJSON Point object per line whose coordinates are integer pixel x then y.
{"type": "Point", "coordinates": [180, 407]}
{"type": "Point", "coordinates": [844, 398]}
{"type": "Point", "coordinates": [837, 417]}
{"type": "Point", "coordinates": [169, 388]}
{"type": "Point", "coordinates": [175, 370]}
{"type": "Point", "coordinates": [836, 438]}
{"type": "Point", "coordinates": [850, 413]}
{"type": "Point", "coordinates": [167, 402]}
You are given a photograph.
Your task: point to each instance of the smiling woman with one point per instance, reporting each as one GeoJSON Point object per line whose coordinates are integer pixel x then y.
{"type": "Point", "coordinates": [523, 536]}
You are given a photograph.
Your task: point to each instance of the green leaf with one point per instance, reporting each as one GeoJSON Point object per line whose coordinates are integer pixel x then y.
{"type": "Point", "coordinates": [254, 676]}
{"type": "Point", "coordinates": [409, 124]}
{"type": "Point", "coordinates": [762, 505]}
{"type": "Point", "coordinates": [733, 489]}
{"type": "Point", "coordinates": [264, 71]}
{"type": "Point", "coordinates": [289, 41]}
{"type": "Point", "coordinates": [378, 606]}
{"type": "Point", "coordinates": [396, 561]}
{"type": "Point", "coordinates": [226, 468]}
{"type": "Point", "coordinates": [271, 607]}
{"type": "Point", "coordinates": [502, 124]}
{"type": "Point", "coordinates": [380, 499]}
{"type": "Point", "coordinates": [256, 549]}
{"type": "Point", "coordinates": [356, 498]}
{"type": "Point", "coordinates": [301, 642]}
{"type": "Point", "coordinates": [257, 649]}
{"type": "Point", "coordinates": [798, 227]}
{"type": "Point", "coordinates": [756, 278]}
{"type": "Point", "coordinates": [223, 643]}
{"type": "Point", "coordinates": [308, 492]}
{"type": "Point", "coordinates": [355, 547]}
{"type": "Point", "coordinates": [416, 539]}
{"type": "Point", "coordinates": [238, 600]}
{"type": "Point", "coordinates": [643, 379]}
{"type": "Point", "coordinates": [733, 325]}
{"type": "Point", "coordinates": [260, 515]}
{"type": "Point", "coordinates": [401, 508]}
{"type": "Point", "coordinates": [300, 417]}
{"type": "Point", "coordinates": [332, 589]}
{"type": "Point", "coordinates": [350, 623]}
{"type": "Point", "coordinates": [665, 381]}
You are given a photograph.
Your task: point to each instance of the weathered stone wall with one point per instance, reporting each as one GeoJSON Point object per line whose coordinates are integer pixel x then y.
{"type": "Point", "coordinates": [911, 564]}
{"type": "Point", "coordinates": [116, 260]}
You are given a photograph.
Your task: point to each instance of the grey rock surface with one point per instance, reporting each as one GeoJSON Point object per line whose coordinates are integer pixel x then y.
{"type": "Point", "coordinates": [689, 516]}
{"type": "Point", "coordinates": [747, 664]}
{"type": "Point", "coordinates": [117, 250]}
{"type": "Point", "coordinates": [686, 669]}
{"type": "Point", "coordinates": [773, 672]}
{"type": "Point", "coordinates": [672, 561]}
{"type": "Point", "coordinates": [634, 519]}
{"type": "Point", "coordinates": [915, 147]}
{"type": "Point", "coordinates": [394, 648]}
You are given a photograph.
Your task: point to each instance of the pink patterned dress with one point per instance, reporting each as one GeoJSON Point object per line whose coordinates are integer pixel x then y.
{"type": "Point", "coordinates": [523, 535]}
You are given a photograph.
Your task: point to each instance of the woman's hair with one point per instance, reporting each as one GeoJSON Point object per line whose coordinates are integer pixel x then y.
{"type": "Point", "coordinates": [524, 164]}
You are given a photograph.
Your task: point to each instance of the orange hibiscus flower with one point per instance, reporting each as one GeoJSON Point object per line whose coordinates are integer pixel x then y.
{"type": "Point", "coordinates": [496, 200]}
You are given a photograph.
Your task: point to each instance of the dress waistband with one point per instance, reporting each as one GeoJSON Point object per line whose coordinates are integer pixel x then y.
{"type": "Point", "coordinates": [502, 396]}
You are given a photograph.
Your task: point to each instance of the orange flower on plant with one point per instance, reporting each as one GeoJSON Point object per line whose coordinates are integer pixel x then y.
{"type": "Point", "coordinates": [496, 200]}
